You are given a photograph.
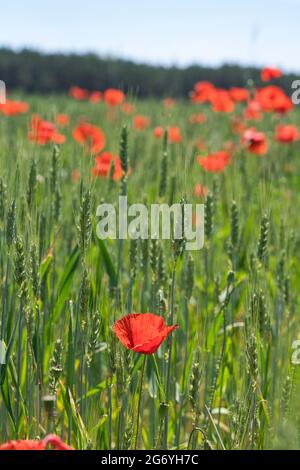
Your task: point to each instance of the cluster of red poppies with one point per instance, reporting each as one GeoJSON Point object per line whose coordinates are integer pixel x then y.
{"type": "Point", "coordinates": [91, 137]}
{"type": "Point", "coordinates": [12, 108]}
{"type": "Point", "coordinates": [42, 131]}
{"type": "Point", "coordinates": [219, 99]}
{"type": "Point", "coordinates": [111, 96]}
{"type": "Point", "coordinates": [174, 134]}
{"type": "Point", "coordinates": [270, 98]}
{"type": "Point", "coordinates": [215, 162]}
{"type": "Point", "coordinates": [103, 164]}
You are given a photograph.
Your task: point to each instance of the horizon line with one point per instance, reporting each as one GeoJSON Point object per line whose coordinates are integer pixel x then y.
{"type": "Point", "coordinates": [114, 56]}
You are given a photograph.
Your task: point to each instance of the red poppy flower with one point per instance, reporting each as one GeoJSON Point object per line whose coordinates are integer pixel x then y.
{"type": "Point", "coordinates": [43, 132]}
{"type": "Point", "coordinates": [283, 104]}
{"type": "Point", "coordinates": [203, 86]}
{"type": "Point", "coordinates": [286, 133]}
{"type": "Point", "coordinates": [203, 91]}
{"type": "Point", "coordinates": [253, 110]}
{"type": "Point", "coordinates": [216, 162]}
{"type": "Point", "coordinates": [238, 94]}
{"type": "Point", "coordinates": [269, 73]}
{"type": "Point", "coordinates": [255, 142]}
{"type": "Point", "coordinates": [158, 132]}
{"type": "Point", "coordinates": [198, 118]}
{"type": "Point", "coordinates": [140, 122]}
{"type": "Point", "coordinates": [12, 108]}
{"type": "Point", "coordinates": [174, 135]}
{"type": "Point", "coordinates": [62, 120]}
{"type": "Point", "coordinates": [142, 332]}
{"type": "Point", "coordinates": [55, 442]}
{"type": "Point", "coordinates": [103, 163]}
{"type": "Point", "coordinates": [90, 136]}
{"type": "Point", "coordinates": [273, 98]}
{"type": "Point", "coordinates": [221, 101]}
{"type": "Point", "coordinates": [78, 93]}
{"type": "Point", "coordinates": [58, 138]}
{"type": "Point", "coordinates": [95, 96]}
{"type": "Point", "coordinates": [113, 97]}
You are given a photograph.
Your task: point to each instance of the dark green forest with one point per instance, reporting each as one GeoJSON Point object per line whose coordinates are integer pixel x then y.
{"type": "Point", "coordinates": [36, 72]}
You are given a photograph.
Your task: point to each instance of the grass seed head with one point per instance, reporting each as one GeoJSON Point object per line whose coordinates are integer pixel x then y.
{"type": "Point", "coordinates": [11, 224]}
{"type": "Point", "coordinates": [54, 168]}
{"type": "Point", "coordinates": [234, 224]}
{"type": "Point", "coordinates": [189, 277]}
{"type": "Point", "coordinates": [124, 150]}
{"type": "Point", "coordinates": [208, 216]}
{"type": "Point", "coordinates": [32, 184]}
{"type": "Point", "coordinates": [84, 226]}
{"type": "Point", "coordinates": [263, 239]}
{"type": "Point", "coordinates": [55, 367]}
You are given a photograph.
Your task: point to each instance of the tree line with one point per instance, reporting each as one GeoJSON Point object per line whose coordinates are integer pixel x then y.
{"type": "Point", "coordinates": [36, 72]}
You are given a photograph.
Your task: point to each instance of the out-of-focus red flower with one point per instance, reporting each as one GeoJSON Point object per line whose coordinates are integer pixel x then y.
{"type": "Point", "coordinates": [270, 73]}
{"type": "Point", "coordinates": [113, 97]}
{"type": "Point", "coordinates": [273, 98]}
{"type": "Point", "coordinates": [255, 142]}
{"type": "Point", "coordinates": [103, 164]}
{"type": "Point", "coordinates": [197, 118]}
{"type": "Point", "coordinates": [23, 445]}
{"type": "Point", "coordinates": [215, 162]}
{"type": "Point", "coordinates": [283, 104]}
{"type": "Point", "coordinates": [95, 96]}
{"type": "Point", "coordinates": [127, 108]}
{"type": "Point", "coordinates": [253, 111]}
{"type": "Point", "coordinates": [90, 136]}
{"type": "Point", "coordinates": [54, 441]}
{"type": "Point", "coordinates": [238, 94]}
{"type": "Point", "coordinates": [78, 93]}
{"type": "Point", "coordinates": [140, 122]}
{"type": "Point", "coordinates": [142, 332]}
{"type": "Point", "coordinates": [203, 91]}
{"type": "Point", "coordinates": [43, 132]}
{"type": "Point", "coordinates": [169, 102]}
{"type": "Point", "coordinates": [12, 108]}
{"type": "Point", "coordinates": [158, 132]}
{"type": "Point", "coordinates": [174, 135]}
{"type": "Point", "coordinates": [221, 101]}
{"type": "Point", "coordinates": [286, 133]}
{"type": "Point", "coordinates": [62, 120]}
{"type": "Point", "coordinates": [75, 175]}
{"type": "Point", "coordinates": [200, 190]}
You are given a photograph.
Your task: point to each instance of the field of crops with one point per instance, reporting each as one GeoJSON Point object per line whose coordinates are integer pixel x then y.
{"type": "Point", "coordinates": [228, 376]}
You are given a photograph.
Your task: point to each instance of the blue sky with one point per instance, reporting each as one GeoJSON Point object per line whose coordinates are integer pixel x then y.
{"type": "Point", "coordinates": [259, 32]}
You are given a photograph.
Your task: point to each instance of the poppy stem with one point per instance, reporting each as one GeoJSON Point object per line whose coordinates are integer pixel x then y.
{"type": "Point", "coordinates": [168, 379]}
{"type": "Point", "coordinates": [139, 402]}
